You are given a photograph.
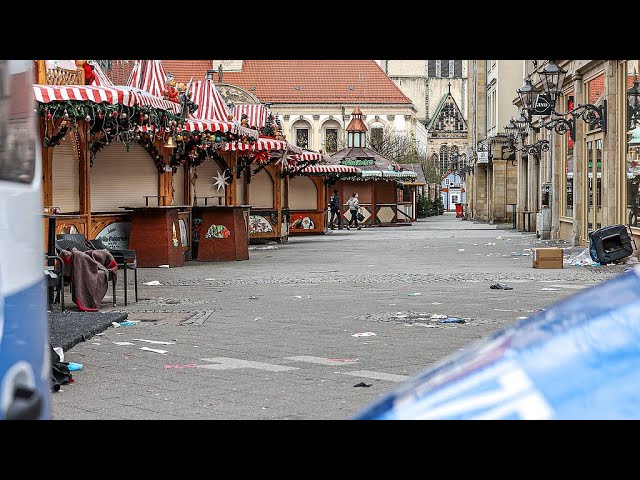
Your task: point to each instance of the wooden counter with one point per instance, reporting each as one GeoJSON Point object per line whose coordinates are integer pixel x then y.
{"type": "Point", "coordinates": [155, 235]}
{"type": "Point", "coordinates": [223, 232]}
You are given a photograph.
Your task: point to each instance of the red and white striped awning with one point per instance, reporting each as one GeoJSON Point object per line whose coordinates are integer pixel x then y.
{"type": "Point", "coordinates": [101, 78]}
{"type": "Point", "coordinates": [262, 144]}
{"type": "Point", "coordinates": [211, 106]}
{"type": "Point", "coordinates": [150, 76]}
{"type": "Point", "coordinates": [326, 169]}
{"type": "Point", "coordinates": [311, 157]}
{"type": "Point", "coordinates": [210, 126]}
{"type": "Point", "coordinates": [100, 94]}
{"type": "Point", "coordinates": [257, 114]}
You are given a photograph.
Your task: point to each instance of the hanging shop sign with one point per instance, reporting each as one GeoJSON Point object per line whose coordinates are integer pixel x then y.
{"type": "Point", "coordinates": [542, 105]}
{"type": "Point", "coordinates": [483, 157]}
{"type": "Point", "coordinates": [358, 162]}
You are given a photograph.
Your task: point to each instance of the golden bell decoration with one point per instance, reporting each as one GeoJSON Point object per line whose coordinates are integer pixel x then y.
{"type": "Point", "coordinates": [170, 143]}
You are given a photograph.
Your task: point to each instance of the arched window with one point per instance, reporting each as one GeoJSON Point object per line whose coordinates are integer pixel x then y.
{"type": "Point", "coordinates": [301, 133]}
{"type": "Point", "coordinates": [463, 160]}
{"type": "Point", "coordinates": [454, 157]}
{"type": "Point", "coordinates": [434, 160]}
{"type": "Point", "coordinates": [444, 159]}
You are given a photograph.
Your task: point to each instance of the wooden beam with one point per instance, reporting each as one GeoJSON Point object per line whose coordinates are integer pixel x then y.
{"type": "Point", "coordinates": [47, 171]}
{"type": "Point", "coordinates": [84, 169]}
{"type": "Point", "coordinates": [41, 72]}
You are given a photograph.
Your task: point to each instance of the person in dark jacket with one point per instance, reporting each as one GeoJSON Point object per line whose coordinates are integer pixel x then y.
{"type": "Point", "coordinates": [334, 205]}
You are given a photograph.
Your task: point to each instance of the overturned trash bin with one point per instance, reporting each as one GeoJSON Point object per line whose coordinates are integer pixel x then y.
{"type": "Point", "coordinates": [578, 359]}
{"type": "Point", "coordinates": [610, 244]}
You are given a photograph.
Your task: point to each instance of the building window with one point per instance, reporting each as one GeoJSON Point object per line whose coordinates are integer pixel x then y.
{"type": "Point", "coordinates": [632, 163]}
{"type": "Point", "coordinates": [376, 137]}
{"type": "Point", "coordinates": [444, 68]}
{"type": "Point", "coordinates": [568, 165]}
{"type": "Point", "coordinates": [444, 159]}
{"type": "Point", "coordinates": [302, 137]}
{"type": "Point", "coordinates": [331, 140]}
{"type": "Point", "coordinates": [457, 68]}
{"type": "Point", "coordinates": [453, 158]}
{"type": "Point", "coordinates": [431, 68]}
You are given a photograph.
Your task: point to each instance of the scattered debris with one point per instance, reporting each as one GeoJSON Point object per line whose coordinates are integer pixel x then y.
{"type": "Point", "coordinates": [522, 318]}
{"type": "Point", "coordinates": [451, 320]}
{"type": "Point", "coordinates": [632, 260]}
{"type": "Point", "coordinates": [362, 384]}
{"type": "Point", "coordinates": [95, 343]}
{"type": "Point", "coordinates": [461, 249]}
{"type": "Point", "coordinates": [257, 318]}
{"type": "Point", "coordinates": [268, 247]}
{"type": "Point", "coordinates": [158, 342]}
{"type": "Point", "coordinates": [163, 266]}
{"type": "Point", "coordinates": [155, 350]}
{"type": "Point", "coordinates": [297, 296]}
{"type": "Point", "coordinates": [123, 343]}
{"type": "Point", "coordinates": [500, 286]}
{"type": "Point", "coordinates": [498, 238]}
{"type": "Point", "coordinates": [436, 303]}
{"type": "Point", "coordinates": [252, 297]}
{"type": "Point", "coordinates": [152, 283]}
{"type": "Point", "coordinates": [489, 244]}
{"type": "Point", "coordinates": [581, 259]}
{"type": "Point", "coordinates": [516, 254]}
{"type": "Point", "coordinates": [549, 289]}
{"type": "Point", "coordinates": [72, 366]}
{"type": "Point", "coordinates": [60, 353]}
{"type": "Point", "coordinates": [400, 316]}
{"type": "Point", "coordinates": [413, 294]}
{"type": "Point", "coordinates": [364, 334]}
{"type": "Point", "coordinates": [438, 316]}
{"type": "Point", "coordinates": [128, 323]}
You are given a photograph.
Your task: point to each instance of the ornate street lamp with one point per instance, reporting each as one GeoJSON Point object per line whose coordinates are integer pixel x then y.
{"type": "Point", "coordinates": [528, 95]}
{"type": "Point", "coordinates": [522, 123]}
{"type": "Point", "coordinates": [552, 79]}
{"type": "Point", "coordinates": [633, 98]}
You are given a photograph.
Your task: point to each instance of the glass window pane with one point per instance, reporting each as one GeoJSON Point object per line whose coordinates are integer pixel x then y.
{"type": "Point", "coordinates": [633, 152]}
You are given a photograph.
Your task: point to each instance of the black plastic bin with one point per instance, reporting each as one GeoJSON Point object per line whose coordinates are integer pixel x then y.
{"type": "Point", "coordinates": [610, 244]}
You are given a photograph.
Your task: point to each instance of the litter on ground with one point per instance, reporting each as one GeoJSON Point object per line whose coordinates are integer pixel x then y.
{"type": "Point", "coordinates": [364, 334]}
{"type": "Point", "coordinates": [123, 343]}
{"type": "Point", "coordinates": [74, 366]}
{"type": "Point", "coordinates": [155, 350]}
{"type": "Point", "coordinates": [158, 342]}
{"type": "Point", "coordinates": [152, 283]}
{"type": "Point", "coordinates": [163, 266]}
{"type": "Point", "coordinates": [500, 286]}
{"type": "Point", "coordinates": [413, 294]}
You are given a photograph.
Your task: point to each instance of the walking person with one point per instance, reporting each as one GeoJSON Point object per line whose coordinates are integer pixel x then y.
{"type": "Point", "coordinates": [334, 205]}
{"type": "Point", "coordinates": [354, 205]}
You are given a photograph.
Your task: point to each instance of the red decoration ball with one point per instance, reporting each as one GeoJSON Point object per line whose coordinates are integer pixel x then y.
{"type": "Point", "coordinates": [49, 115]}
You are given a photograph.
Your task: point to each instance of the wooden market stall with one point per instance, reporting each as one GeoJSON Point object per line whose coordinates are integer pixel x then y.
{"type": "Point", "coordinates": [309, 191]}
{"type": "Point", "coordinates": [115, 150]}
{"type": "Point", "coordinates": [383, 196]}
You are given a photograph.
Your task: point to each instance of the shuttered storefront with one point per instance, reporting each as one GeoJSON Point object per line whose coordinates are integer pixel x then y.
{"type": "Point", "coordinates": [303, 194]}
{"type": "Point", "coordinates": [261, 190]}
{"type": "Point", "coordinates": [66, 177]}
{"type": "Point", "coordinates": [120, 178]}
{"type": "Point", "coordinates": [178, 187]}
{"type": "Point", "coordinates": [207, 172]}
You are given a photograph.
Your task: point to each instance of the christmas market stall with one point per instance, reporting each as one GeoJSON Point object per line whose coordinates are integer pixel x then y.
{"type": "Point", "coordinates": [383, 196]}
{"type": "Point", "coordinates": [262, 181]}
{"type": "Point", "coordinates": [309, 191]}
{"type": "Point", "coordinates": [220, 225]}
{"type": "Point", "coordinates": [80, 113]}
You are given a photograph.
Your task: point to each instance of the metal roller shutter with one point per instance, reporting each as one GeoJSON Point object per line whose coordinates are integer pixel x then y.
{"type": "Point", "coordinates": [261, 190]}
{"type": "Point", "coordinates": [303, 194]}
{"type": "Point", "coordinates": [120, 178]}
{"type": "Point", "coordinates": [178, 187]}
{"type": "Point", "coordinates": [207, 171]}
{"type": "Point", "coordinates": [66, 177]}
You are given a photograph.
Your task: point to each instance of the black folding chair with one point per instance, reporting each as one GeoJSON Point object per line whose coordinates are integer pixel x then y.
{"type": "Point", "coordinates": [67, 244]}
{"type": "Point", "coordinates": [55, 280]}
{"type": "Point", "coordinates": [126, 259]}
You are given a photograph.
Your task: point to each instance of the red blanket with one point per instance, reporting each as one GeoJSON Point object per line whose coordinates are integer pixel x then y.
{"type": "Point", "coordinates": [89, 272]}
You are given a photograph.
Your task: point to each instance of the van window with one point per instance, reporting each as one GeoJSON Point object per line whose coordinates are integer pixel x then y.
{"type": "Point", "coordinates": [17, 124]}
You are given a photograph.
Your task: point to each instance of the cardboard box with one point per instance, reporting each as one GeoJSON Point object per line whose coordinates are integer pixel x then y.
{"type": "Point", "coordinates": [547, 257]}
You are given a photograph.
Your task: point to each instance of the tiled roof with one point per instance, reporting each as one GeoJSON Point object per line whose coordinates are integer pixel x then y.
{"type": "Point", "coordinates": [302, 81]}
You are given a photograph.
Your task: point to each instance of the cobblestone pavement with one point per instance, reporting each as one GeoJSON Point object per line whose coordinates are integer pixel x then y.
{"type": "Point", "coordinates": [274, 337]}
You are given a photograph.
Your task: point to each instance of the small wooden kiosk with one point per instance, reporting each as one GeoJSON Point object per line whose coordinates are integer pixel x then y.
{"type": "Point", "coordinates": [384, 199]}
{"type": "Point", "coordinates": [156, 235]}
{"type": "Point", "coordinates": [222, 232]}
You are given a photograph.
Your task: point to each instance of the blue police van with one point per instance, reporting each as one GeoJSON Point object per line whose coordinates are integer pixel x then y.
{"type": "Point", "coordinates": [25, 369]}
